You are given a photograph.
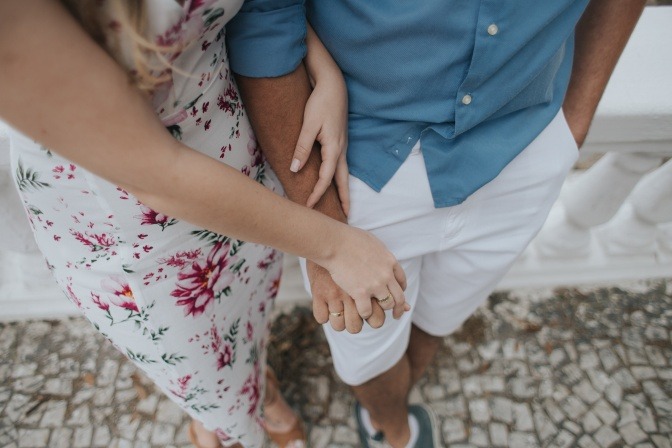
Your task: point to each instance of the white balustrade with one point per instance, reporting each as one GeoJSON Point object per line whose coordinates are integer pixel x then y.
{"type": "Point", "coordinates": [613, 221]}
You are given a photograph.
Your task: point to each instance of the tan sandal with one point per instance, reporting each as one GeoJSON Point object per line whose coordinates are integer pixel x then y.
{"type": "Point", "coordinates": [295, 437]}
{"type": "Point", "coordinates": [193, 438]}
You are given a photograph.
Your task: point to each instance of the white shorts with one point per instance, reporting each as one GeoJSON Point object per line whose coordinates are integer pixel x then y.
{"type": "Point", "coordinates": [454, 256]}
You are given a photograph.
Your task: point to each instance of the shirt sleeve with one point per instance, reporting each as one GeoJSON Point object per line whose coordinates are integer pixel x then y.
{"type": "Point", "coordinates": [267, 38]}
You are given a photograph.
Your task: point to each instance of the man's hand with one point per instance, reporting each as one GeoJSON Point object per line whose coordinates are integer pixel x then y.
{"type": "Point", "coordinates": [329, 298]}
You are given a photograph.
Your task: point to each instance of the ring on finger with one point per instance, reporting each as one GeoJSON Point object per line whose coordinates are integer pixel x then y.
{"type": "Point", "coordinates": [336, 313]}
{"type": "Point", "coordinates": [386, 299]}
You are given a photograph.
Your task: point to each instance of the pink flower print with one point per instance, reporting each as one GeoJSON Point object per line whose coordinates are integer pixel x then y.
{"type": "Point", "coordinates": [206, 126]}
{"type": "Point", "coordinates": [71, 294]}
{"type": "Point", "coordinates": [181, 258]}
{"type": "Point", "coordinates": [226, 105]}
{"type": "Point", "coordinates": [224, 357]}
{"type": "Point", "coordinates": [151, 217]}
{"type": "Point", "coordinates": [95, 298]}
{"type": "Point", "coordinates": [94, 241]}
{"type": "Point", "coordinates": [182, 385]}
{"type": "Point", "coordinates": [250, 331]}
{"type": "Point", "coordinates": [195, 4]}
{"type": "Point", "coordinates": [122, 294]}
{"type": "Point", "coordinates": [201, 282]}
{"type": "Point", "coordinates": [252, 390]}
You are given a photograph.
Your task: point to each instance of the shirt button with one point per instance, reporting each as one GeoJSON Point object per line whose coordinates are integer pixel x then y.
{"type": "Point", "coordinates": [466, 100]}
{"type": "Point", "coordinates": [493, 29]}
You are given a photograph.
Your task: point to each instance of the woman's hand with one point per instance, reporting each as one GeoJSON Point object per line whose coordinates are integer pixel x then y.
{"type": "Point", "coordinates": [325, 121]}
{"type": "Point", "coordinates": [364, 268]}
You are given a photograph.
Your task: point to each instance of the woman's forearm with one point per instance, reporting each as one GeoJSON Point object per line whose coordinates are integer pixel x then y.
{"type": "Point", "coordinates": [59, 87]}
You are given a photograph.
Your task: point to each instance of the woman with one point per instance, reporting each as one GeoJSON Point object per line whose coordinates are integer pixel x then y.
{"type": "Point", "coordinates": [132, 220]}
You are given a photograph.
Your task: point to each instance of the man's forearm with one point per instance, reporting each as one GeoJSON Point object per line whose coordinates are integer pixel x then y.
{"type": "Point", "coordinates": [601, 35]}
{"type": "Point", "coordinates": [275, 107]}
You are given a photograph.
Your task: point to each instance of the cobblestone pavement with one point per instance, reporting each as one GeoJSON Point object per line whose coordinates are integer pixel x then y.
{"type": "Point", "coordinates": [562, 368]}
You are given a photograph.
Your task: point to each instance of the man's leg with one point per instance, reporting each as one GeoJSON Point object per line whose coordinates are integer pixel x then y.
{"type": "Point", "coordinates": [386, 396]}
{"type": "Point", "coordinates": [422, 348]}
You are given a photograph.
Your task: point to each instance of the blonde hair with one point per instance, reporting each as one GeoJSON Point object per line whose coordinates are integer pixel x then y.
{"type": "Point", "coordinates": [131, 18]}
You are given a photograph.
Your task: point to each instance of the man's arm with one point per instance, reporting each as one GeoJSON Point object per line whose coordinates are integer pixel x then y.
{"type": "Point", "coordinates": [275, 107]}
{"type": "Point", "coordinates": [601, 35]}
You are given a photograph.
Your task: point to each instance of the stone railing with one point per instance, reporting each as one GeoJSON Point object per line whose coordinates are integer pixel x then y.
{"type": "Point", "coordinates": [612, 222]}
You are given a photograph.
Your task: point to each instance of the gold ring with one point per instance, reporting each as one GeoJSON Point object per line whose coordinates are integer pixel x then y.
{"type": "Point", "coordinates": [336, 314]}
{"type": "Point", "coordinates": [388, 297]}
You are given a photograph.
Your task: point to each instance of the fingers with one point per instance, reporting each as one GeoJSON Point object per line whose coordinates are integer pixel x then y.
{"type": "Point", "coordinates": [363, 304]}
{"type": "Point", "coordinates": [342, 183]}
{"type": "Point", "coordinates": [320, 311]}
{"type": "Point", "coordinates": [304, 145]}
{"type": "Point", "coordinates": [353, 321]}
{"type": "Point", "coordinates": [337, 316]}
{"type": "Point", "coordinates": [327, 170]}
{"type": "Point", "coordinates": [400, 275]}
{"type": "Point", "coordinates": [377, 318]}
{"type": "Point", "coordinates": [400, 305]}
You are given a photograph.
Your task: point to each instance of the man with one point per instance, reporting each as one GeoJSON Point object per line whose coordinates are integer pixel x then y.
{"type": "Point", "coordinates": [458, 148]}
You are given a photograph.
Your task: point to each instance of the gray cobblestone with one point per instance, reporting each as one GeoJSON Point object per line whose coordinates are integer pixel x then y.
{"type": "Point", "coordinates": [598, 375]}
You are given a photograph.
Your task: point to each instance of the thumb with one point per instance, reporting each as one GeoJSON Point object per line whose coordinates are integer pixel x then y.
{"type": "Point", "coordinates": [304, 146]}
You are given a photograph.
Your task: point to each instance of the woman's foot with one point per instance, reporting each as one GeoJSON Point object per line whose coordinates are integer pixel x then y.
{"type": "Point", "coordinates": [201, 437]}
{"type": "Point", "coordinates": [282, 425]}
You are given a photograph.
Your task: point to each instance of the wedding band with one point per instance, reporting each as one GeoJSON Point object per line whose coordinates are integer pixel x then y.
{"type": "Point", "coordinates": [389, 296]}
{"type": "Point", "coordinates": [336, 314]}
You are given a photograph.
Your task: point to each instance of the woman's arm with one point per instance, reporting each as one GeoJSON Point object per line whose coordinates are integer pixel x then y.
{"type": "Point", "coordinates": [59, 87]}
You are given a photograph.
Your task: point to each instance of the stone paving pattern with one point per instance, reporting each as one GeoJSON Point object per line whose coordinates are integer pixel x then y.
{"type": "Point", "coordinates": [545, 368]}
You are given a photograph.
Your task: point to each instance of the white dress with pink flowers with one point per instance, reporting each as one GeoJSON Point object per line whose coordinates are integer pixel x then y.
{"type": "Point", "coordinates": [187, 305]}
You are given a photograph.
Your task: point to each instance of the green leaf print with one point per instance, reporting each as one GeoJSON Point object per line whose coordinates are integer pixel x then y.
{"type": "Point", "coordinates": [236, 267]}
{"type": "Point", "coordinates": [172, 359]}
{"type": "Point", "coordinates": [47, 150]}
{"type": "Point", "coordinates": [191, 103]}
{"type": "Point", "coordinates": [34, 210]}
{"type": "Point", "coordinates": [211, 237]}
{"type": "Point", "coordinates": [212, 15]}
{"type": "Point", "coordinates": [233, 332]}
{"type": "Point", "coordinates": [235, 247]}
{"type": "Point", "coordinates": [176, 131]}
{"type": "Point", "coordinates": [27, 179]}
{"type": "Point", "coordinates": [139, 357]}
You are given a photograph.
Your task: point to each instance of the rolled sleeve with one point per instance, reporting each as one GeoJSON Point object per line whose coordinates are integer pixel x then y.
{"type": "Point", "coordinates": [267, 38]}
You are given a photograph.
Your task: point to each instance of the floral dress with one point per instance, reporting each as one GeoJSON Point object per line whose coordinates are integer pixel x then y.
{"type": "Point", "coordinates": [188, 306]}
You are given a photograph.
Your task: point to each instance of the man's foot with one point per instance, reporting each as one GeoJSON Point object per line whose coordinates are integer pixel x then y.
{"type": "Point", "coordinates": [421, 420]}
{"type": "Point", "coordinates": [428, 436]}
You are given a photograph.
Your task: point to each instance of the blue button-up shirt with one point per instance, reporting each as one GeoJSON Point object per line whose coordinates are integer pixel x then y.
{"type": "Point", "coordinates": [474, 81]}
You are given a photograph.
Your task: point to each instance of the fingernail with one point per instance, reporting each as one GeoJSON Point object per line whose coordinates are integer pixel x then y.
{"type": "Point", "coordinates": [296, 163]}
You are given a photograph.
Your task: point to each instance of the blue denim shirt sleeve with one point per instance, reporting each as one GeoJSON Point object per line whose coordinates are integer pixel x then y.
{"type": "Point", "coordinates": [267, 38]}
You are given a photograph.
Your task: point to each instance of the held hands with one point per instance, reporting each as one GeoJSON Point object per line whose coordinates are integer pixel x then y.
{"type": "Point", "coordinates": [331, 304]}
{"type": "Point", "coordinates": [360, 283]}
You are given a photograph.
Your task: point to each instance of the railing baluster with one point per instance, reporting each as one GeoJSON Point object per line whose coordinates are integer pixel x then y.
{"type": "Point", "coordinates": [634, 229]}
{"type": "Point", "coordinates": [591, 199]}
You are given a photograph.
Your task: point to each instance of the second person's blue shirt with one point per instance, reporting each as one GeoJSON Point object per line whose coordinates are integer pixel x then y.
{"type": "Point", "coordinates": [475, 81]}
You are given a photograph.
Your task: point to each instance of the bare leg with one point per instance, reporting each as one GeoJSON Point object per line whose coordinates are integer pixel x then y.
{"type": "Point", "coordinates": [422, 348]}
{"type": "Point", "coordinates": [386, 396]}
